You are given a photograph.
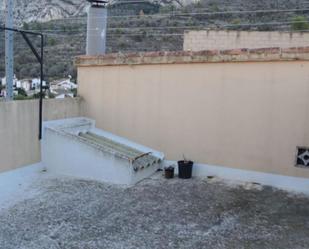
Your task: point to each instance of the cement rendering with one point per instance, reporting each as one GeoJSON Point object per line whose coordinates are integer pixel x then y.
{"type": "Point", "coordinates": [156, 213]}
{"type": "Point", "coordinates": [98, 155]}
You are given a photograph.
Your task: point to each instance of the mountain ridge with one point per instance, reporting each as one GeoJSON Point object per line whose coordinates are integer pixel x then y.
{"type": "Point", "coordinates": [26, 11]}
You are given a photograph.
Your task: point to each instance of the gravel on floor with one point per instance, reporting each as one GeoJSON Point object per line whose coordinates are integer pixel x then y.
{"type": "Point", "coordinates": [156, 213]}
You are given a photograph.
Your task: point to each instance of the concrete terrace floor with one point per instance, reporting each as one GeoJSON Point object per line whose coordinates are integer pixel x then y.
{"type": "Point", "coordinates": [57, 212]}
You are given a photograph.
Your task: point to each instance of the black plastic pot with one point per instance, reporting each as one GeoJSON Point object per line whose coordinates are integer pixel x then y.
{"type": "Point", "coordinates": [169, 172]}
{"type": "Point", "coordinates": [185, 169]}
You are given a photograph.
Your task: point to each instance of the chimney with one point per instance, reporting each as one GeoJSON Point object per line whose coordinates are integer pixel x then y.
{"type": "Point", "coordinates": [96, 27]}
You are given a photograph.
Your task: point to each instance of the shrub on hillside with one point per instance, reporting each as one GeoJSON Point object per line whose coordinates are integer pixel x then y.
{"type": "Point", "coordinates": [299, 23]}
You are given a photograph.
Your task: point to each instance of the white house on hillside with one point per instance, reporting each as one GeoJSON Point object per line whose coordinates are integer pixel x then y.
{"type": "Point", "coordinates": [35, 83]}
{"type": "Point", "coordinates": [65, 84]}
{"type": "Point", "coordinates": [26, 84]}
{"type": "Point", "coordinates": [62, 88]}
{"type": "Point", "coordinates": [3, 81]}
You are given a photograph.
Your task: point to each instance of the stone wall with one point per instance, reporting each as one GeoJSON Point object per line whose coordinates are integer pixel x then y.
{"type": "Point", "coordinates": [211, 39]}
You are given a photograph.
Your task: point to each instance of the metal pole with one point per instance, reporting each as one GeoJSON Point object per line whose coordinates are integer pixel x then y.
{"type": "Point", "coordinates": [40, 58]}
{"type": "Point", "coordinates": [41, 89]}
{"type": "Point", "coordinates": [9, 47]}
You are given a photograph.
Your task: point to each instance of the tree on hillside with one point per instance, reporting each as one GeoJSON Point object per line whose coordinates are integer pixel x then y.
{"type": "Point", "coordinates": [300, 23]}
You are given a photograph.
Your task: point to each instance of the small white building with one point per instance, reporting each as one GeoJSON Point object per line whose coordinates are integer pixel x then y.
{"type": "Point", "coordinates": [63, 88]}
{"type": "Point", "coordinates": [25, 84]}
{"type": "Point", "coordinates": [3, 81]}
{"type": "Point", "coordinates": [3, 93]}
{"type": "Point", "coordinates": [36, 83]}
{"type": "Point", "coordinates": [64, 84]}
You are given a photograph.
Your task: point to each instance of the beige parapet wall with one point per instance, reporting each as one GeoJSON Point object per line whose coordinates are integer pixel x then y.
{"type": "Point", "coordinates": [215, 39]}
{"type": "Point", "coordinates": [249, 110]}
{"type": "Point", "coordinates": [19, 144]}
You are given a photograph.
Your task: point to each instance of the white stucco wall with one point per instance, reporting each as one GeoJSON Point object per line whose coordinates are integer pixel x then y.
{"type": "Point", "coordinates": [246, 115]}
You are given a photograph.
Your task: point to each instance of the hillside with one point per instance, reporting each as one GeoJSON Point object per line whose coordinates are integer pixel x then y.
{"type": "Point", "coordinates": [45, 10]}
{"type": "Point", "coordinates": [65, 38]}
{"type": "Point", "coordinates": [26, 11]}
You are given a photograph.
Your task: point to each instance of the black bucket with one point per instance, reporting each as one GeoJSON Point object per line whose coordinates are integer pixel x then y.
{"type": "Point", "coordinates": [185, 169]}
{"type": "Point", "coordinates": [169, 172]}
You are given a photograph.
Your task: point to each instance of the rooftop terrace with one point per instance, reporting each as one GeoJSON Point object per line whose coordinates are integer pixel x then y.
{"type": "Point", "coordinates": [56, 212]}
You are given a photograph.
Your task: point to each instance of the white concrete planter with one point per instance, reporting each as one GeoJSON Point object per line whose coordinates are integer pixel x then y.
{"type": "Point", "coordinates": [65, 152]}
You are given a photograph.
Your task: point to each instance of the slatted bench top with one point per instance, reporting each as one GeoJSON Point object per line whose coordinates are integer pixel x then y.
{"type": "Point", "coordinates": [138, 159]}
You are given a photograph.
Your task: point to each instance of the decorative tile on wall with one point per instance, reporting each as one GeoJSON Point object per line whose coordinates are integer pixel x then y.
{"type": "Point", "coordinates": [302, 157]}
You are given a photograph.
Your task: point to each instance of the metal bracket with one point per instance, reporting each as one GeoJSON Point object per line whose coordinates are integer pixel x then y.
{"type": "Point", "coordinates": [40, 58]}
